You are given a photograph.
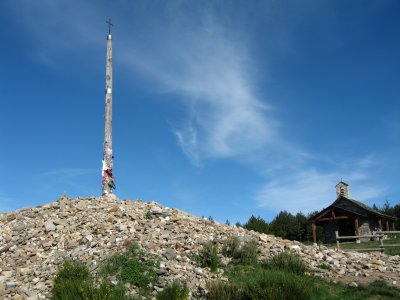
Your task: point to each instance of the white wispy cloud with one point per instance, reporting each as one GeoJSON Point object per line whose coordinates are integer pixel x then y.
{"type": "Point", "coordinates": [189, 54]}
{"type": "Point", "coordinates": [210, 72]}
{"type": "Point", "coordinates": [308, 189]}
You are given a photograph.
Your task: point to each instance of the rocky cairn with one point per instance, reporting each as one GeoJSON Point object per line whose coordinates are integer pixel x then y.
{"type": "Point", "coordinates": [35, 241]}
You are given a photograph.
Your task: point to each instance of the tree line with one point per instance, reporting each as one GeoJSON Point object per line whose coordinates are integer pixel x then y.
{"type": "Point", "coordinates": [390, 210]}
{"type": "Point", "coordinates": [284, 225]}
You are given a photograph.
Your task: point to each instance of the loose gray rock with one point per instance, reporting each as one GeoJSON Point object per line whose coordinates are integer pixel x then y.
{"type": "Point", "coordinates": [156, 210]}
{"type": "Point", "coordinates": [49, 226]}
{"type": "Point", "coordinates": [36, 240]}
{"type": "Point", "coordinates": [169, 254]}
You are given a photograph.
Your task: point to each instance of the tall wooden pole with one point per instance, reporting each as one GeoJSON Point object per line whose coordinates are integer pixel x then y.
{"type": "Point", "coordinates": [108, 180]}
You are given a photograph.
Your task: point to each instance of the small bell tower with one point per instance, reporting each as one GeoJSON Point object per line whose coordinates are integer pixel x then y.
{"type": "Point", "coordinates": [342, 189]}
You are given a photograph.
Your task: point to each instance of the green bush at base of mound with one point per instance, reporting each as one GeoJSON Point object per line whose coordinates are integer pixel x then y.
{"type": "Point", "coordinates": [263, 284]}
{"type": "Point", "coordinates": [286, 261]}
{"type": "Point", "coordinates": [208, 257]}
{"type": "Point", "coordinates": [74, 282]}
{"type": "Point", "coordinates": [175, 291]}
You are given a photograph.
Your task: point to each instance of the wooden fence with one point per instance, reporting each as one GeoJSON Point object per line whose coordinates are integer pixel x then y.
{"type": "Point", "coordinates": [380, 235]}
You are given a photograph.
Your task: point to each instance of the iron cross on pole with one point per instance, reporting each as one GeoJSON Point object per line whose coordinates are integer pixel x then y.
{"type": "Point", "coordinates": [109, 25]}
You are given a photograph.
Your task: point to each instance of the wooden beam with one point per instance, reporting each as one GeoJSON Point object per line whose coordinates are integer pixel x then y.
{"type": "Point", "coordinates": [387, 225]}
{"type": "Point", "coordinates": [380, 224]}
{"type": "Point", "coordinates": [328, 211]}
{"type": "Point", "coordinates": [358, 236]}
{"type": "Point", "coordinates": [314, 232]}
{"type": "Point", "coordinates": [333, 215]}
{"type": "Point", "coordinates": [393, 227]}
{"type": "Point", "coordinates": [336, 218]}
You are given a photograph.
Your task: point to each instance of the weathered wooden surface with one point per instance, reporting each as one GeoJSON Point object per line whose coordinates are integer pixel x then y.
{"type": "Point", "coordinates": [108, 180]}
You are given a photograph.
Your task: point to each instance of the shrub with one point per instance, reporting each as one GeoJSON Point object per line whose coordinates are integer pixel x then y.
{"type": "Point", "coordinates": [251, 282]}
{"type": "Point", "coordinates": [272, 284]}
{"type": "Point", "coordinates": [74, 281]}
{"type": "Point", "coordinates": [248, 253]}
{"type": "Point", "coordinates": [176, 291]}
{"type": "Point", "coordinates": [148, 215]}
{"type": "Point", "coordinates": [73, 271]}
{"type": "Point", "coordinates": [286, 261]}
{"type": "Point", "coordinates": [218, 290]}
{"type": "Point", "coordinates": [71, 279]}
{"type": "Point", "coordinates": [231, 247]}
{"type": "Point", "coordinates": [133, 266]}
{"type": "Point", "coordinates": [208, 257]}
{"type": "Point", "coordinates": [245, 254]}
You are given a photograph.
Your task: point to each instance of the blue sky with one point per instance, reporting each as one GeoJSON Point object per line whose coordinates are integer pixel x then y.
{"type": "Point", "coordinates": [221, 108]}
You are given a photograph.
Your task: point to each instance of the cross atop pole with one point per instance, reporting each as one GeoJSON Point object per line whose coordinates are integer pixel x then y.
{"type": "Point", "coordinates": [109, 25]}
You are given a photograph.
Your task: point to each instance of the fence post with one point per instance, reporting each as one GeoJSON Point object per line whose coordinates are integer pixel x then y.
{"type": "Point", "coordinates": [337, 239]}
{"type": "Point", "coordinates": [357, 230]}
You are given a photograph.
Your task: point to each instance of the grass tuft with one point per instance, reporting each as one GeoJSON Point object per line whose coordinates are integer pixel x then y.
{"type": "Point", "coordinates": [208, 257]}
{"type": "Point", "coordinates": [218, 290]}
{"type": "Point", "coordinates": [176, 291]}
{"type": "Point", "coordinates": [288, 262]}
{"type": "Point", "coordinates": [246, 254]}
{"type": "Point", "coordinates": [257, 283]}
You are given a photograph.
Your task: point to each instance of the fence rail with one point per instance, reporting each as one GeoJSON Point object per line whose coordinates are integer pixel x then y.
{"type": "Point", "coordinates": [380, 235]}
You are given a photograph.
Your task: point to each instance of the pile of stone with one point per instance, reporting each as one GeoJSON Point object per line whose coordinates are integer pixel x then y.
{"type": "Point", "coordinates": [35, 241]}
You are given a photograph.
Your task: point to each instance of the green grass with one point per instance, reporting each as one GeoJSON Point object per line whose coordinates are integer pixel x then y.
{"type": "Point", "coordinates": [287, 262]}
{"type": "Point", "coordinates": [370, 244]}
{"type": "Point", "coordinates": [250, 282]}
{"type": "Point", "coordinates": [375, 290]}
{"type": "Point", "coordinates": [281, 277]}
{"type": "Point", "coordinates": [285, 276]}
{"type": "Point", "coordinates": [218, 290]}
{"type": "Point", "coordinates": [175, 291]}
{"type": "Point", "coordinates": [392, 251]}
